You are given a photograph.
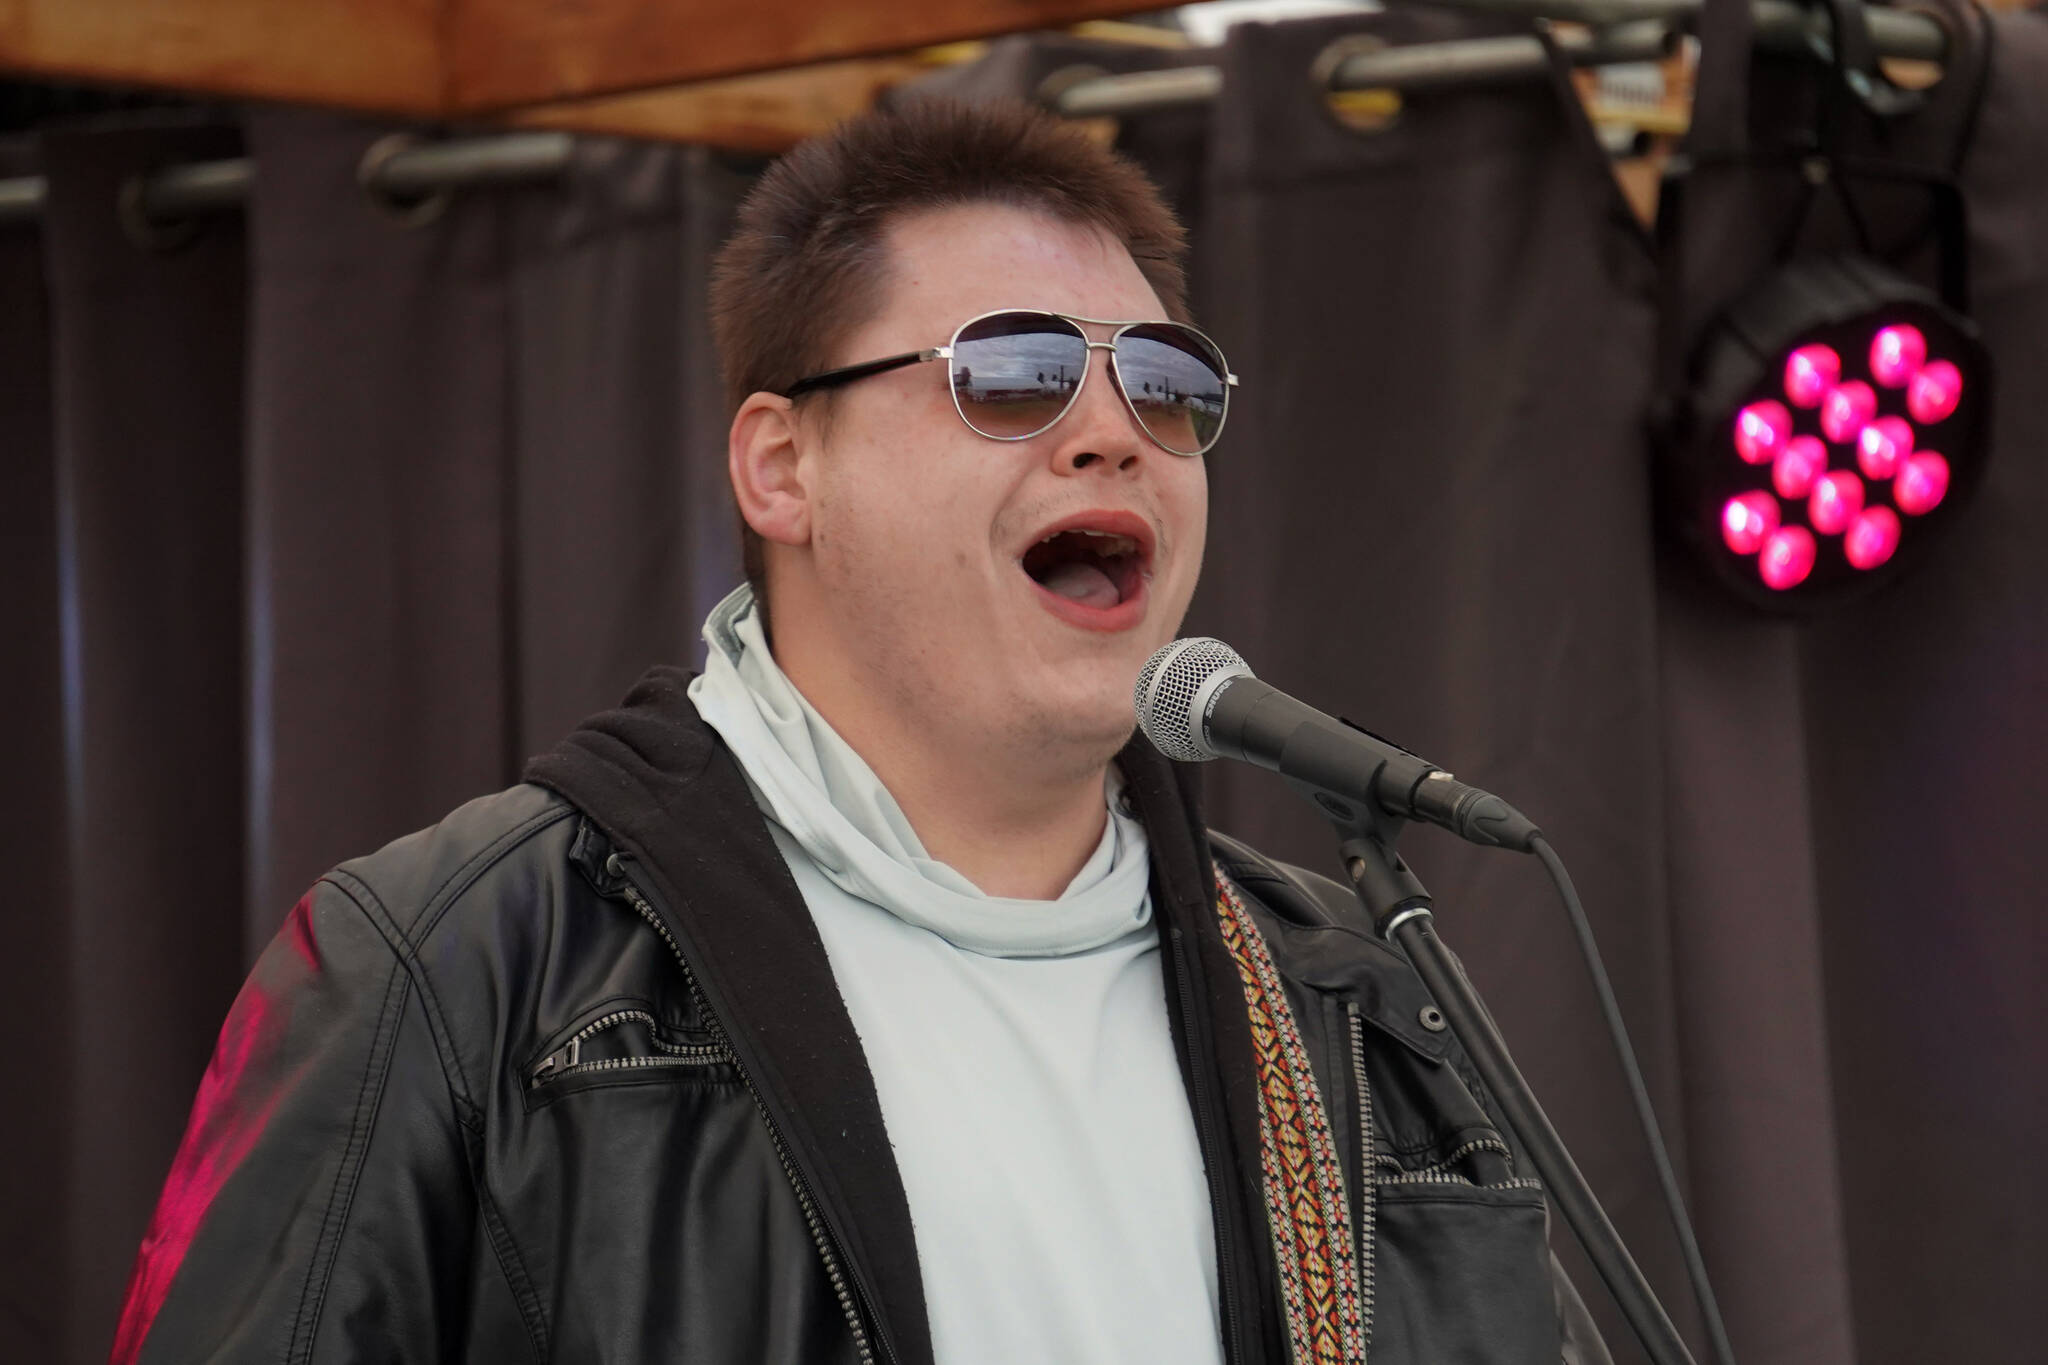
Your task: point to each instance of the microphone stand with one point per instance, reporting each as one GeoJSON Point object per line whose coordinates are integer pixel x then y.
{"type": "Point", "coordinates": [1399, 907]}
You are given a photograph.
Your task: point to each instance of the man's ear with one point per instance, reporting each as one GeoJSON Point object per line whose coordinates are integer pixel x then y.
{"type": "Point", "coordinates": [764, 459]}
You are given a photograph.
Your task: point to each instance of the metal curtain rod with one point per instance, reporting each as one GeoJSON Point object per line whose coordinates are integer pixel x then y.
{"type": "Point", "coordinates": [1622, 31]}
{"type": "Point", "coordinates": [1420, 66]}
{"type": "Point", "coordinates": [1780, 25]}
{"type": "Point", "coordinates": [399, 172]}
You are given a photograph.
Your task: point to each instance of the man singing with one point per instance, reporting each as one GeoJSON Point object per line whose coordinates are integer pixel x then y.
{"type": "Point", "coordinates": [873, 996]}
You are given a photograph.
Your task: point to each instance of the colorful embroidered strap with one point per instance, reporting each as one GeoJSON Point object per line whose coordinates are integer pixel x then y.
{"type": "Point", "coordinates": [1304, 1184]}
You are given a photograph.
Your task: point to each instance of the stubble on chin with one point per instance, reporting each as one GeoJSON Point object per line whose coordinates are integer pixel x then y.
{"type": "Point", "coordinates": [1064, 739]}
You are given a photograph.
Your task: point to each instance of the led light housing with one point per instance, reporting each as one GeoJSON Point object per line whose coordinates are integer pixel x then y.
{"type": "Point", "coordinates": [1803, 466]}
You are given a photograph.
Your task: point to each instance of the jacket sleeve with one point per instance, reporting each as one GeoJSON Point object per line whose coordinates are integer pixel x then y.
{"type": "Point", "coordinates": [320, 1206]}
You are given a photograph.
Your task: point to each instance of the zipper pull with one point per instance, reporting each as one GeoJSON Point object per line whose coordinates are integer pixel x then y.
{"type": "Point", "coordinates": [558, 1061]}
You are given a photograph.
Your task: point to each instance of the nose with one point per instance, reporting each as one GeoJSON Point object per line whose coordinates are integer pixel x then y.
{"type": "Point", "coordinates": [1099, 431]}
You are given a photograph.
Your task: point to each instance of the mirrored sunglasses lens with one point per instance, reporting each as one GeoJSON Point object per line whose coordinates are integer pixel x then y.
{"type": "Point", "coordinates": [1174, 380]}
{"type": "Point", "coordinates": [1015, 373]}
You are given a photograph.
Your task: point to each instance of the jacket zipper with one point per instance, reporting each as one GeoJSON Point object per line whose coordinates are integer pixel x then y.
{"type": "Point", "coordinates": [1368, 1204]}
{"type": "Point", "coordinates": [846, 1285]}
{"type": "Point", "coordinates": [568, 1058]}
{"type": "Point", "coordinates": [1434, 1175]}
{"type": "Point", "coordinates": [1443, 1170]}
{"type": "Point", "coordinates": [1212, 1152]}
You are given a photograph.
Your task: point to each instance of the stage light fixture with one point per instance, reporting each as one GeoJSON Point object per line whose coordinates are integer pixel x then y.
{"type": "Point", "coordinates": [1838, 416]}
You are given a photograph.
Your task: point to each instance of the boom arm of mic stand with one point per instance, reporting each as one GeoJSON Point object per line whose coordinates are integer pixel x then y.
{"type": "Point", "coordinates": [1400, 911]}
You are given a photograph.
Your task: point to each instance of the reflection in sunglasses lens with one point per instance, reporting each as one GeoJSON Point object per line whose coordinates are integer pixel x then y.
{"type": "Point", "coordinates": [1175, 384]}
{"type": "Point", "coordinates": [1015, 373]}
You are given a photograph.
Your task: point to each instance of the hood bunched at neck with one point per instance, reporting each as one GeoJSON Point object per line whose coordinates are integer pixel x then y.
{"type": "Point", "coordinates": [825, 798]}
{"type": "Point", "coordinates": [627, 767]}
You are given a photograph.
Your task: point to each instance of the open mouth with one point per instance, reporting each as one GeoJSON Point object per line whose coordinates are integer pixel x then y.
{"type": "Point", "coordinates": [1095, 569]}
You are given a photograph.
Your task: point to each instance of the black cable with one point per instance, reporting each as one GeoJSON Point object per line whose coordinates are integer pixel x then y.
{"type": "Point", "coordinates": [1610, 1010]}
{"type": "Point", "coordinates": [1564, 1184]}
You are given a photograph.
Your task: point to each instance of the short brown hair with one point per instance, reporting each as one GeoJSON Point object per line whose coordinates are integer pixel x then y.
{"type": "Point", "coordinates": [806, 257]}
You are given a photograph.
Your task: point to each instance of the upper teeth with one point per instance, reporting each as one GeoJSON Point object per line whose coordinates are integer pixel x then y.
{"type": "Point", "coordinates": [1118, 544]}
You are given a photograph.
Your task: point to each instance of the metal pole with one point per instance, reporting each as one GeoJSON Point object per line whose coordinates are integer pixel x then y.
{"type": "Point", "coordinates": [1420, 66]}
{"type": "Point", "coordinates": [1626, 31]}
{"type": "Point", "coordinates": [432, 167]}
{"type": "Point", "coordinates": [205, 187]}
{"type": "Point", "coordinates": [194, 190]}
{"type": "Point", "coordinates": [1910, 34]}
{"type": "Point", "coordinates": [21, 200]}
{"type": "Point", "coordinates": [1781, 26]}
{"type": "Point", "coordinates": [1474, 61]}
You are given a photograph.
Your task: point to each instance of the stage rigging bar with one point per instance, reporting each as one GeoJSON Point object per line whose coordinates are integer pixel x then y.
{"type": "Point", "coordinates": [1623, 31]}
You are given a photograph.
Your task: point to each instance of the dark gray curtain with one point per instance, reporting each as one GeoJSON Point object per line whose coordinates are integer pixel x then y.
{"type": "Point", "coordinates": [1805, 847]}
{"type": "Point", "coordinates": [145, 366]}
{"type": "Point", "coordinates": [31, 809]}
{"type": "Point", "coordinates": [1927, 755]}
{"type": "Point", "coordinates": [1917, 718]}
{"type": "Point", "coordinates": [1432, 513]}
{"type": "Point", "coordinates": [1433, 517]}
{"type": "Point", "coordinates": [317, 524]}
{"type": "Point", "coordinates": [1933, 710]}
{"type": "Point", "coordinates": [486, 475]}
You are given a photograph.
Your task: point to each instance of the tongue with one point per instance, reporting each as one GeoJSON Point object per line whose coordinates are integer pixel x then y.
{"type": "Point", "coordinates": [1083, 583]}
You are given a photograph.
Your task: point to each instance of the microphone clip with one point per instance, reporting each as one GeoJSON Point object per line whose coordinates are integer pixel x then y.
{"type": "Point", "coordinates": [1387, 888]}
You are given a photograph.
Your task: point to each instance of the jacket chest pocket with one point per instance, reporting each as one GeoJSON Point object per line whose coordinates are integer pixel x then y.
{"type": "Point", "coordinates": [623, 1043]}
{"type": "Point", "coordinates": [1453, 1235]}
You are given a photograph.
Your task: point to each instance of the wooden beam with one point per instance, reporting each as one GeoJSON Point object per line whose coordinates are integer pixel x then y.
{"type": "Point", "coordinates": [771, 112]}
{"type": "Point", "coordinates": [441, 58]}
{"type": "Point", "coordinates": [364, 54]}
{"type": "Point", "coordinates": [437, 58]}
{"type": "Point", "coordinates": [504, 55]}
{"type": "Point", "coordinates": [768, 113]}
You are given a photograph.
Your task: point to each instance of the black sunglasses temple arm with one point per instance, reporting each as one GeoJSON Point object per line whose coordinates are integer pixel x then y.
{"type": "Point", "coordinates": [846, 375]}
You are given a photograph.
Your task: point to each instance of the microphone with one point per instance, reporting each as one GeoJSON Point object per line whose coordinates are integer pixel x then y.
{"type": "Point", "coordinates": [1197, 699]}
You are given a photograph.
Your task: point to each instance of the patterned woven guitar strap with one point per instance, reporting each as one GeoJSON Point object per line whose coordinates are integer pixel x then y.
{"type": "Point", "coordinates": [1305, 1203]}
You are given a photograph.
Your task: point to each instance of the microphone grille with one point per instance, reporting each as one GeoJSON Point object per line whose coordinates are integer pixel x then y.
{"type": "Point", "coordinates": [1172, 687]}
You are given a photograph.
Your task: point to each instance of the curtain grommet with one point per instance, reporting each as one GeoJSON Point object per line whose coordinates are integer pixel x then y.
{"type": "Point", "coordinates": [145, 231]}
{"type": "Point", "coordinates": [1916, 74]}
{"type": "Point", "coordinates": [1059, 82]}
{"type": "Point", "coordinates": [407, 211]}
{"type": "Point", "coordinates": [1368, 110]}
{"type": "Point", "coordinates": [1047, 93]}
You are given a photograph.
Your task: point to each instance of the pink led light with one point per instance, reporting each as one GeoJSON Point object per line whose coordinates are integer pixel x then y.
{"type": "Point", "coordinates": [1803, 460]}
{"type": "Point", "coordinates": [1810, 372]}
{"type": "Point", "coordinates": [1922, 484]}
{"type": "Point", "coordinates": [1746, 520]}
{"type": "Point", "coordinates": [1881, 445]}
{"type": "Point", "coordinates": [1787, 557]}
{"type": "Point", "coordinates": [1934, 391]}
{"type": "Point", "coordinates": [1835, 501]}
{"type": "Point", "coordinates": [1872, 537]}
{"type": "Point", "coordinates": [1896, 354]}
{"type": "Point", "coordinates": [1761, 430]}
{"type": "Point", "coordinates": [1845, 408]}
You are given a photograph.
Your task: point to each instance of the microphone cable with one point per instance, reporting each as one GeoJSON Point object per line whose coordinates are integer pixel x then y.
{"type": "Point", "coordinates": [1639, 1092]}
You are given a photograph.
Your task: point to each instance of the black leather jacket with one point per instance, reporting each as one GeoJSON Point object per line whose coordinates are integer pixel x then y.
{"type": "Point", "coordinates": [566, 1077]}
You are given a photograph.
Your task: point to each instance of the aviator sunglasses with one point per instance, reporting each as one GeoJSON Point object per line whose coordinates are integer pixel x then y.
{"type": "Point", "coordinates": [1016, 371]}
